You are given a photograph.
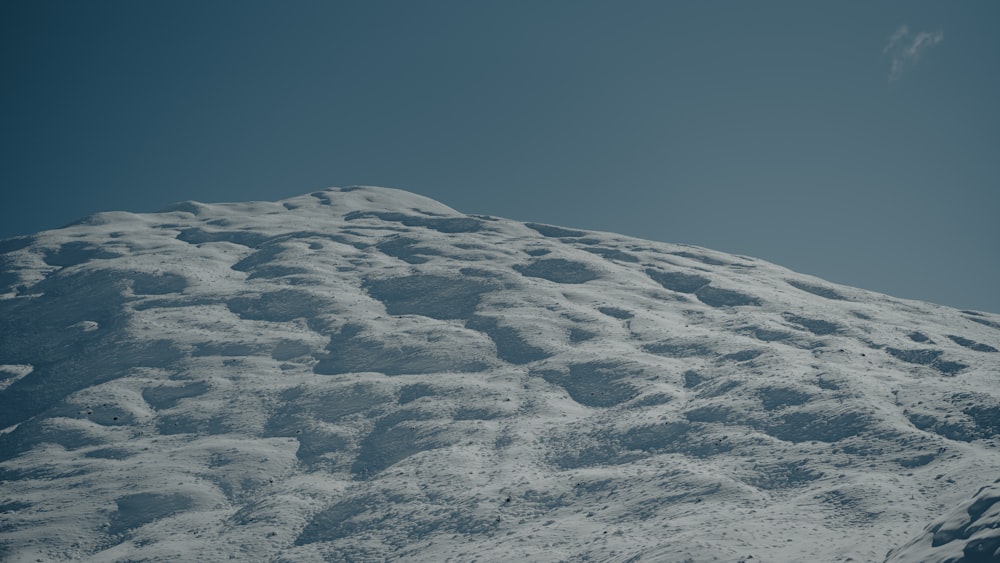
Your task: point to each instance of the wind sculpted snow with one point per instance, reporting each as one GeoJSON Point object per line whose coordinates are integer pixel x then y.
{"type": "Point", "coordinates": [364, 374]}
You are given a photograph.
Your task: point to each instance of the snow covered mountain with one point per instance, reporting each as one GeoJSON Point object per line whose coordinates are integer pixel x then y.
{"type": "Point", "coordinates": [364, 374]}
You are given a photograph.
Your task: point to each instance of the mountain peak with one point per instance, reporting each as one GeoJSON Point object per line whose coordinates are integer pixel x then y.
{"type": "Point", "coordinates": [365, 374]}
{"type": "Point", "coordinates": [338, 201]}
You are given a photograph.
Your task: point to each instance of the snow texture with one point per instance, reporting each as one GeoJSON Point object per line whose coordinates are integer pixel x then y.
{"type": "Point", "coordinates": [364, 374]}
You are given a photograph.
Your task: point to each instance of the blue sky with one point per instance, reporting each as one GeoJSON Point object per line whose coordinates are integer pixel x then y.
{"type": "Point", "coordinates": [856, 141]}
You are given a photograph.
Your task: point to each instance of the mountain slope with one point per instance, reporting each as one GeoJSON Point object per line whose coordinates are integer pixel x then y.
{"type": "Point", "coordinates": [366, 374]}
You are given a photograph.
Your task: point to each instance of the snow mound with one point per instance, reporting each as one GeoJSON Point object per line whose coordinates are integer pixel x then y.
{"type": "Point", "coordinates": [366, 374]}
{"type": "Point", "coordinates": [968, 534]}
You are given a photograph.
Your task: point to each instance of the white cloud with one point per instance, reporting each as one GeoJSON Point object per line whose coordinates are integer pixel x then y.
{"type": "Point", "coordinates": [904, 49]}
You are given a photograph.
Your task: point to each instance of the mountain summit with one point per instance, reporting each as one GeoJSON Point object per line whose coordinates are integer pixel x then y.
{"type": "Point", "coordinates": [364, 374]}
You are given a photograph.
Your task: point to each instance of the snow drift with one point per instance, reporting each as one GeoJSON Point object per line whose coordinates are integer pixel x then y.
{"type": "Point", "coordinates": [365, 374]}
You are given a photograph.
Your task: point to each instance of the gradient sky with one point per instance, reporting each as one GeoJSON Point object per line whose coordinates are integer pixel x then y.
{"type": "Point", "coordinates": [856, 141]}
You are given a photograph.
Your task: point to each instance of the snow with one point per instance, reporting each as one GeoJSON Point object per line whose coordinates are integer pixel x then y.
{"type": "Point", "coordinates": [11, 373]}
{"type": "Point", "coordinates": [366, 374]}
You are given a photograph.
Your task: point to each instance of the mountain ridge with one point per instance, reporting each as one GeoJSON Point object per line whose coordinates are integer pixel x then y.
{"type": "Point", "coordinates": [425, 384]}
